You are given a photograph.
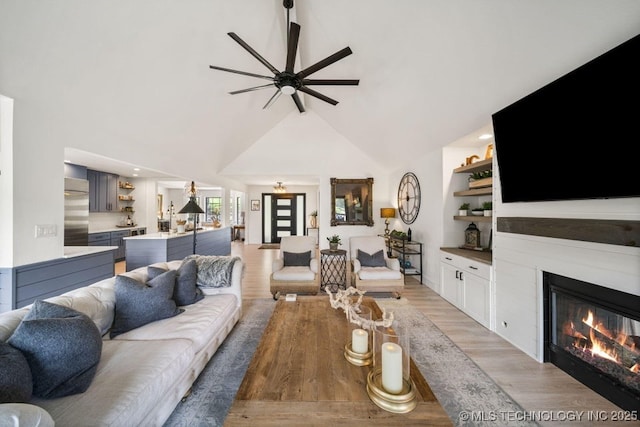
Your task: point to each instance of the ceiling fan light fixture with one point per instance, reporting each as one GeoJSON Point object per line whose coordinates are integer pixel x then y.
{"type": "Point", "coordinates": [288, 90]}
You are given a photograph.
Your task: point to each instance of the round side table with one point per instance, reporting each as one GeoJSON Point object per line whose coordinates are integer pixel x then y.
{"type": "Point", "coordinates": [333, 269]}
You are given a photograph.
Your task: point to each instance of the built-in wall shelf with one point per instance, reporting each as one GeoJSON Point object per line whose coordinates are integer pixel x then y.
{"type": "Point", "coordinates": [485, 191]}
{"type": "Point", "coordinates": [473, 218]}
{"type": "Point", "coordinates": [479, 166]}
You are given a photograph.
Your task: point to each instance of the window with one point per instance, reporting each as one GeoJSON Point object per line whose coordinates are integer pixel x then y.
{"type": "Point", "coordinates": [214, 207]}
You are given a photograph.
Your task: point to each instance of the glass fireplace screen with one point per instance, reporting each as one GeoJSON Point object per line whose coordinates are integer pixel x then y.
{"type": "Point", "coordinates": [608, 341]}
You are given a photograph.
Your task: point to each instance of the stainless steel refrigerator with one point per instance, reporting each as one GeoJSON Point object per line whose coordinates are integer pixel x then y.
{"type": "Point", "coordinates": [76, 212]}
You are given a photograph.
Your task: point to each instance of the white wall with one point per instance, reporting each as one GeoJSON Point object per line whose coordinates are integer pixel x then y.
{"type": "Point", "coordinates": [6, 181]}
{"type": "Point", "coordinates": [306, 146]}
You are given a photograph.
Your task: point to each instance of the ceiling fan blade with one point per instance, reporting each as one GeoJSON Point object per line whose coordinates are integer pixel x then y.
{"type": "Point", "coordinates": [330, 82]}
{"type": "Point", "coordinates": [298, 102]}
{"type": "Point", "coordinates": [273, 99]}
{"type": "Point", "coordinates": [235, 92]}
{"type": "Point", "coordinates": [325, 62]}
{"type": "Point", "coordinates": [294, 36]}
{"type": "Point", "coordinates": [255, 54]}
{"type": "Point", "coordinates": [317, 95]}
{"type": "Point", "coordinates": [244, 73]}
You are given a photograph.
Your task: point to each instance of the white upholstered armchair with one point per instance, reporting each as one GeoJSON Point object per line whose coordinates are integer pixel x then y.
{"type": "Point", "coordinates": [296, 268]}
{"type": "Point", "coordinates": [371, 269]}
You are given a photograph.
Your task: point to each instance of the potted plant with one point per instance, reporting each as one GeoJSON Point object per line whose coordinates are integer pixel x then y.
{"type": "Point", "coordinates": [463, 210]}
{"type": "Point", "coordinates": [313, 219]}
{"type": "Point", "coordinates": [481, 179]}
{"type": "Point", "coordinates": [334, 241]}
{"type": "Point", "coordinates": [487, 208]}
{"type": "Point", "coordinates": [477, 211]}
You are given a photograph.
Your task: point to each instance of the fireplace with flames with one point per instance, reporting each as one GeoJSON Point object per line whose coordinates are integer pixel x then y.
{"type": "Point", "coordinates": [593, 333]}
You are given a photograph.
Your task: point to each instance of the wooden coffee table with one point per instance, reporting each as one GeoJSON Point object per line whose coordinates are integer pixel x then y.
{"type": "Point", "coordinates": [299, 376]}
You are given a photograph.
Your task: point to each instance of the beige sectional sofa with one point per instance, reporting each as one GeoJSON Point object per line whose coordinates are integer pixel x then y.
{"type": "Point", "coordinates": [143, 373]}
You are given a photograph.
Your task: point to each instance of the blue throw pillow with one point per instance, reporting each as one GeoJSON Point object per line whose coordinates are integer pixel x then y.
{"type": "Point", "coordinates": [375, 260]}
{"type": "Point", "coordinates": [16, 384]}
{"type": "Point", "coordinates": [62, 347]}
{"type": "Point", "coordinates": [186, 291]}
{"type": "Point", "coordinates": [140, 303]}
{"type": "Point", "coordinates": [291, 259]}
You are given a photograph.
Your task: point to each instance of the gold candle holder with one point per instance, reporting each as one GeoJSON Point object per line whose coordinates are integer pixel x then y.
{"type": "Point", "coordinates": [358, 359]}
{"type": "Point", "coordinates": [359, 351]}
{"type": "Point", "coordinates": [398, 403]}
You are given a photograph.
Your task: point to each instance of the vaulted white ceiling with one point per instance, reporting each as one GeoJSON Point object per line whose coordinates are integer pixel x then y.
{"type": "Point", "coordinates": [131, 81]}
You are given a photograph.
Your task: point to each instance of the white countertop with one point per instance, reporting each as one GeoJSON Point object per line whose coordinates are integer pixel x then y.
{"type": "Point", "coordinates": [74, 251]}
{"type": "Point", "coordinates": [166, 235]}
{"type": "Point", "coordinates": [108, 230]}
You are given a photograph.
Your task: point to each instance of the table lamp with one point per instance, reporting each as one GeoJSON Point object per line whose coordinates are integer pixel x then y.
{"type": "Point", "coordinates": [387, 213]}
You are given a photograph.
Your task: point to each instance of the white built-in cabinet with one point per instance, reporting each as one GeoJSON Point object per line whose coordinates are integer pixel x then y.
{"type": "Point", "coordinates": [466, 284]}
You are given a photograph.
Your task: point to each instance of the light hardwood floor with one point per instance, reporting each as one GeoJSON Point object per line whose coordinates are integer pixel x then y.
{"type": "Point", "coordinates": [535, 386]}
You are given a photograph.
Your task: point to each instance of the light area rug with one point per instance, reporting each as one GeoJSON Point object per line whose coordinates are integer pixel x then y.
{"type": "Point", "coordinates": [457, 382]}
{"type": "Point", "coordinates": [462, 387]}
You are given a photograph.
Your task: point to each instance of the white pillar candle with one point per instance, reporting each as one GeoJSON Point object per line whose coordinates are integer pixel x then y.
{"type": "Point", "coordinates": [360, 341]}
{"type": "Point", "coordinates": [392, 367]}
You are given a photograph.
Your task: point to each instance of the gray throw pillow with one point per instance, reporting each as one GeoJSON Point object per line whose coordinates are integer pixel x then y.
{"type": "Point", "coordinates": [186, 291]}
{"type": "Point", "coordinates": [296, 258]}
{"type": "Point", "coordinates": [62, 347]}
{"type": "Point", "coordinates": [375, 260]}
{"type": "Point", "coordinates": [140, 303]}
{"type": "Point", "coordinates": [16, 384]}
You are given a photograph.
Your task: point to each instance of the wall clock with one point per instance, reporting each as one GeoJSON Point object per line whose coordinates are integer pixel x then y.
{"type": "Point", "coordinates": [409, 197]}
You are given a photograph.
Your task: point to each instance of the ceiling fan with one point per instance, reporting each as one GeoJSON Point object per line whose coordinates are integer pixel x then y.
{"type": "Point", "coordinates": [287, 81]}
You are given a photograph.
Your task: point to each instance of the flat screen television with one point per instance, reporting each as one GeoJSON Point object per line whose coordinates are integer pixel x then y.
{"type": "Point", "coordinates": [578, 137]}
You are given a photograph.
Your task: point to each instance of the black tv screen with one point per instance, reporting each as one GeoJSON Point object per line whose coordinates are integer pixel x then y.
{"type": "Point", "coordinates": [578, 136]}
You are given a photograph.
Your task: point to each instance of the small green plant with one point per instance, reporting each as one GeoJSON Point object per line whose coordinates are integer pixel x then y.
{"type": "Point", "coordinates": [477, 209]}
{"type": "Point", "coordinates": [335, 239]}
{"type": "Point", "coordinates": [481, 175]}
{"type": "Point", "coordinates": [487, 206]}
{"type": "Point", "coordinates": [314, 213]}
{"type": "Point", "coordinates": [401, 235]}
{"type": "Point", "coordinates": [464, 206]}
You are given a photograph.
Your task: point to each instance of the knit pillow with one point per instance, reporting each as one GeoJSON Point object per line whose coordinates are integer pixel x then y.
{"type": "Point", "coordinates": [15, 375]}
{"type": "Point", "coordinates": [140, 303]}
{"type": "Point", "coordinates": [62, 347]}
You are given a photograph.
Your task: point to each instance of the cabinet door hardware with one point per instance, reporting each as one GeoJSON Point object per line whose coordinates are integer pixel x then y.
{"type": "Point", "coordinates": [472, 267]}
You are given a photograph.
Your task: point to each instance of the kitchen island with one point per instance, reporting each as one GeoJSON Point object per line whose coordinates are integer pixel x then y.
{"type": "Point", "coordinates": [161, 247]}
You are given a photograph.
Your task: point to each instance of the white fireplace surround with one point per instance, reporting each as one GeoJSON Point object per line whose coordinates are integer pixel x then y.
{"type": "Point", "coordinates": [519, 261]}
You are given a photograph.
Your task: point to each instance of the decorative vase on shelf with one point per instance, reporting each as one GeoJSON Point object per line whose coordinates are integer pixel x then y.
{"type": "Point", "coordinates": [488, 212]}
{"type": "Point", "coordinates": [313, 221]}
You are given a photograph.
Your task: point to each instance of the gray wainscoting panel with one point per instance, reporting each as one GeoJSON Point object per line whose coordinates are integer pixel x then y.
{"type": "Point", "coordinates": [49, 278]}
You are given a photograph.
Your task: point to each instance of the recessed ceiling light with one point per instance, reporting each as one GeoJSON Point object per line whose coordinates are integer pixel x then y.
{"type": "Point", "coordinates": [136, 169]}
{"type": "Point", "coordinates": [485, 136]}
{"type": "Point", "coordinates": [135, 174]}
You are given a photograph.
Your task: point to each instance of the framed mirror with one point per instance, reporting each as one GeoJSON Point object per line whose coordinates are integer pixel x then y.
{"type": "Point", "coordinates": [352, 201]}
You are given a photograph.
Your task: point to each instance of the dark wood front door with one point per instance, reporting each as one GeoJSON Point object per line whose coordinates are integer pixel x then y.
{"type": "Point", "coordinates": [283, 216]}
